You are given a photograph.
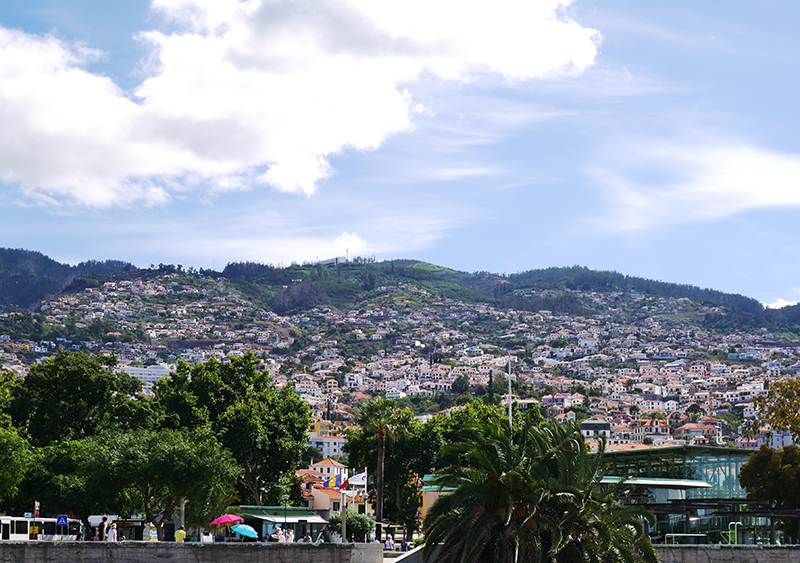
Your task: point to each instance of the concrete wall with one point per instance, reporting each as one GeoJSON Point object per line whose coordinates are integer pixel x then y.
{"type": "Point", "coordinates": [728, 553]}
{"type": "Point", "coordinates": [146, 552]}
{"type": "Point", "coordinates": [689, 554]}
{"type": "Point", "coordinates": [415, 556]}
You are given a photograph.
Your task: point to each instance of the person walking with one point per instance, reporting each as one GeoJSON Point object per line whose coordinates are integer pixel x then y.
{"type": "Point", "coordinates": [180, 535]}
{"type": "Point", "coordinates": [102, 529]}
{"type": "Point", "coordinates": [112, 533]}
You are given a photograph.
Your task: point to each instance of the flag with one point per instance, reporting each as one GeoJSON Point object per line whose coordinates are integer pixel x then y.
{"type": "Point", "coordinates": [333, 482]}
{"type": "Point", "coordinates": [360, 479]}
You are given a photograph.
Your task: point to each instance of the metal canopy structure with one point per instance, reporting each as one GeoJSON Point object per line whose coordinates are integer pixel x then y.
{"type": "Point", "coordinates": [656, 482]}
{"type": "Point", "coordinates": [695, 494]}
{"type": "Point", "coordinates": [719, 467]}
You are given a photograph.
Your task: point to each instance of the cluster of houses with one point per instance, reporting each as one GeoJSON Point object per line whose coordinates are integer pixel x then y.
{"type": "Point", "coordinates": [641, 370]}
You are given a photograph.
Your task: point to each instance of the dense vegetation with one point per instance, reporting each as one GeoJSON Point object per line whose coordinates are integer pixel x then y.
{"type": "Point", "coordinates": [25, 325]}
{"type": "Point", "coordinates": [534, 497]}
{"type": "Point", "coordinates": [28, 277]}
{"type": "Point", "coordinates": [81, 438]}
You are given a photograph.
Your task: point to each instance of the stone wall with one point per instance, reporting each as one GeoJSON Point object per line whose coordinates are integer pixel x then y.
{"type": "Point", "coordinates": [146, 552]}
{"type": "Point", "coordinates": [728, 553]}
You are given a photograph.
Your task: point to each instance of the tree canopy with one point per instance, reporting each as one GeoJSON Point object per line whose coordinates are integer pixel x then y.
{"type": "Point", "coordinates": [358, 525]}
{"type": "Point", "coordinates": [263, 427]}
{"type": "Point", "coordinates": [72, 395]}
{"type": "Point", "coordinates": [774, 475]}
{"type": "Point", "coordinates": [781, 406]}
{"type": "Point", "coordinates": [534, 498]}
{"type": "Point", "coordinates": [381, 418]}
{"type": "Point", "coordinates": [84, 440]}
{"type": "Point", "coordinates": [160, 467]}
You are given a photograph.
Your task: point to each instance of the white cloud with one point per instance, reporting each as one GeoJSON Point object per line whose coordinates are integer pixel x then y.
{"type": "Point", "coordinates": [242, 93]}
{"type": "Point", "coordinates": [780, 303]}
{"type": "Point", "coordinates": [464, 173]}
{"type": "Point", "coordinates": [682, 184]}
{"type": "Point", "coordinates": [278, 249]}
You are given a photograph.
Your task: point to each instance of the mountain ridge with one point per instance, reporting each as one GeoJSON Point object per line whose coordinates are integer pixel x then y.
{"type": "Point", "coordinates": [28, 277]}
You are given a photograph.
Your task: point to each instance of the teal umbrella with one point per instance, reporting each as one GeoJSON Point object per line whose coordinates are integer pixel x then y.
{"type": "Point", "coordinates": [245, 530]}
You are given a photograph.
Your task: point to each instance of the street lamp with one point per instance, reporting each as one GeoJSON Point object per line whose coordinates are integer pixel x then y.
{"type": "Point", "coordinates": [285, 501]}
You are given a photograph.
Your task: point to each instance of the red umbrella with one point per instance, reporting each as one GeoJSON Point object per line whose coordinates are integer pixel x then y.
{"type": "Point", "coordinates": [227, 519]}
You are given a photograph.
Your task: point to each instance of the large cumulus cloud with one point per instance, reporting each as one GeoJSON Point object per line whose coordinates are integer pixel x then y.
{"type": "Point", "coordinates": [239, 94]}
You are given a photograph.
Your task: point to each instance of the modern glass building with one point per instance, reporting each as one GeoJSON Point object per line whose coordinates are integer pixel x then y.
{"type": "Point", "coordinates": [718, 467]}
{"type": "Point", "coordinates": [695, 494]}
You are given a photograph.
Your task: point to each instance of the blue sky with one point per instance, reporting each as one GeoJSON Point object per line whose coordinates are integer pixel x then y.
{"type": "Point", "coordinates": [656, 139]}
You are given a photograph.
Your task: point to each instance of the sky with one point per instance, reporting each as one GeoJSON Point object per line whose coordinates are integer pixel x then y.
{"type": "Point", "coordinates": [656, 139]}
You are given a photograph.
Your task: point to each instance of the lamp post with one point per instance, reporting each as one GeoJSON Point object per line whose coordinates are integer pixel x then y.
{"type": "Point", "coordinates": [285, 501]}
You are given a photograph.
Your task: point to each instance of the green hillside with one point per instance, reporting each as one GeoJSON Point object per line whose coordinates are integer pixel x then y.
{"type": "Point", "coordinates": [27, 278]}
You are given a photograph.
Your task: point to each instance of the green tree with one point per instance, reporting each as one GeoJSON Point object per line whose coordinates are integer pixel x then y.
{"type": "Point", "coordinates": [267, 436]}
{"type": "Point", "coordinates": [415, 452]}
{"type": "Point", "coordinates": [263, 427]}
{"type": "Point", "coordinates": [460, 385]}
{"type": "Point", "coordinates": [71, 477]}
{"type": "Point", "coordinates": [8, 383]}
{"type": "Point", "coordinates": [534, 498]}
{"type": "Point", "coordinates": [409, 456]}
{"type": "Point", "coordinates": [358, 525]}
{"type": "Point", "coordinates": [15, 460]}
{"type": "Point", "coordinates": [771, 474]}
{"type": "Point", "coordinates": [195, 395]}
{"type": "Point", "coordinates": [72, 396]}
{"type": "Point", "coordinates": [201, 512]}
{"type": "Point", "coordinates": [311, 455]}
{"type": "Point", "coordinates": [378, 417]}
{"type": "Point", "coordinates": [160, 467]}
{"type": "Point", "coordinates": [781, 407]}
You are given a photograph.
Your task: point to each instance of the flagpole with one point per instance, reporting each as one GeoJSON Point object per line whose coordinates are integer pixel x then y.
{"type": "Point", "coordinates": [344, 516]}
{"type": "Point", "coordinates": [510, 423]}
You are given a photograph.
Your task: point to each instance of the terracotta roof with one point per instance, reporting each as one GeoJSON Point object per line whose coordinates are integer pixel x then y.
{"type": "Point", "coordinates": [332, 492]}
{"type": "Point", "coordinates": [328, 462]}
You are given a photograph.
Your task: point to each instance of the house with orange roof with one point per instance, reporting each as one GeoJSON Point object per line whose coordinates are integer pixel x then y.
{"type": "Point", "coordinates": [330, 467]}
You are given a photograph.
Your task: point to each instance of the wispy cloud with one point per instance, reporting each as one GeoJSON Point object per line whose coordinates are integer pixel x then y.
{"type": "Point", "coordinates": [462, 173]}
{"type": "Point", "coordinates": [700, 183]}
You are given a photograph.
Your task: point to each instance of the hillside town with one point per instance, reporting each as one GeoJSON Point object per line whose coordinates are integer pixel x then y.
{"type": "Point", "coordinates": [640, 373]}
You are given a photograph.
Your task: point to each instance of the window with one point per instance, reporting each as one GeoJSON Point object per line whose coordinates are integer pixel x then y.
{"type": "Point", "coordinates": [20, 527]}
{"type": "Point", "coordinates": [48, 528]}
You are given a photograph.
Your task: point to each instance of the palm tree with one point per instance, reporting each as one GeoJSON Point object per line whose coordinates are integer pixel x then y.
{"type": "Point", "coordinates": [378, 416]}
{"type": "Point", "coordinates": [537, 498]}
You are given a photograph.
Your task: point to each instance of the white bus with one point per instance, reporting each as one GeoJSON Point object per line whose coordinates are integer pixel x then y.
{"type": "Point", "coordinates": [18, 528]}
